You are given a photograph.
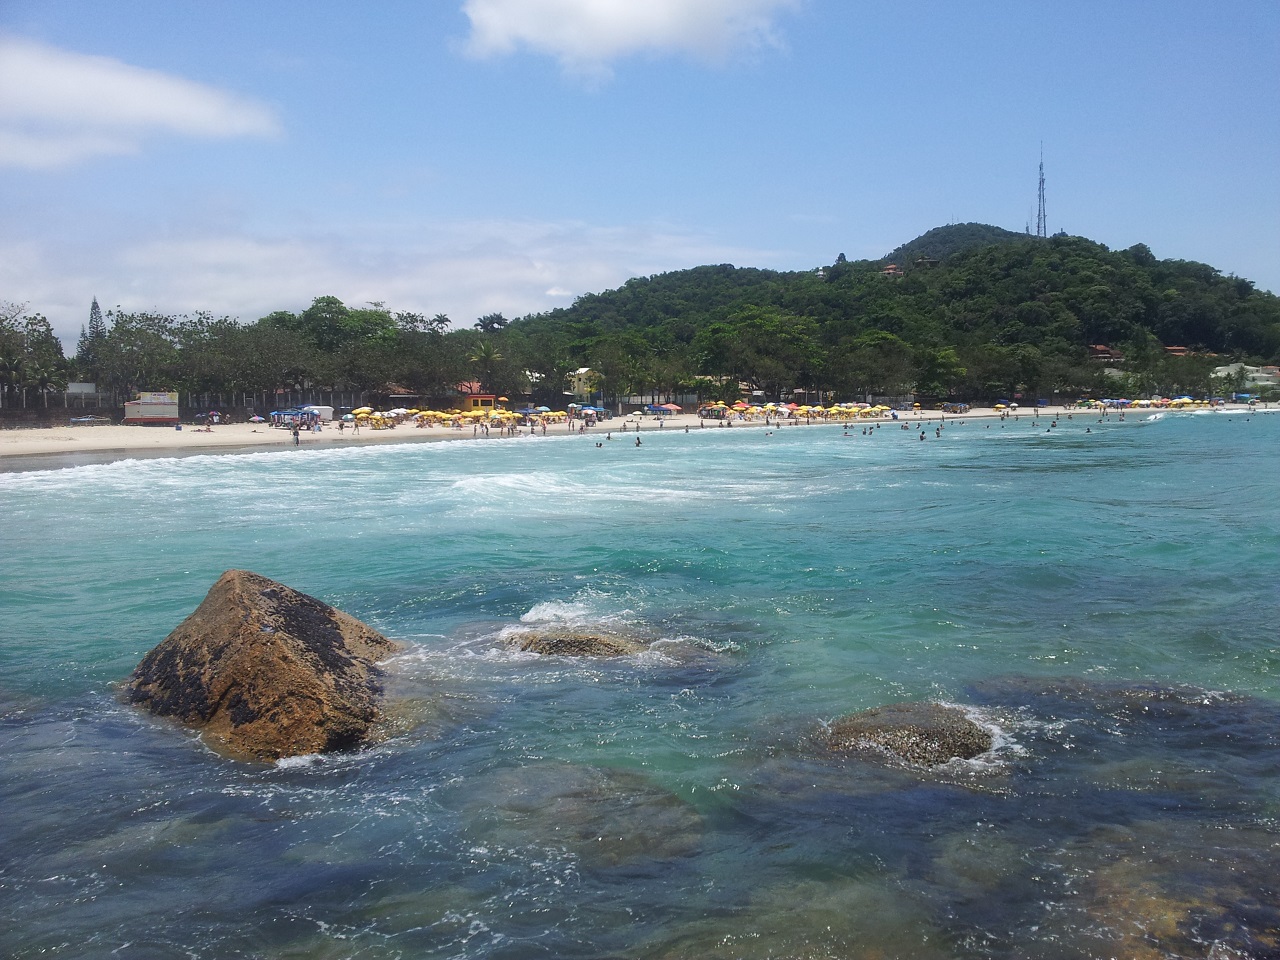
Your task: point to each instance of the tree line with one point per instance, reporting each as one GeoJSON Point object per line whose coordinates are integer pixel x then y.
{"type": "Point", "coordinates": [982, 313]}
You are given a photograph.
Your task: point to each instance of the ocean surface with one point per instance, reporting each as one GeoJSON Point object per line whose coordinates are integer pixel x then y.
{"type": "Point", "coordinates": [1106, 602]}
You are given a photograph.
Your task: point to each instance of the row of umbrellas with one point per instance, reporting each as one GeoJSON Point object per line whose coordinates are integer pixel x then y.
{"type": "Point", "coordinates": [384, 418]}
{"type": "Point", "coordinates": [837, 411]}
{"type": "Point", "coordinates": [1154, 402]}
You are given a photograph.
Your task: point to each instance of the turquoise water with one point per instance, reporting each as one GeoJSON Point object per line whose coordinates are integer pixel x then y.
{"type": "Point", "coordinates": [1106, 602]}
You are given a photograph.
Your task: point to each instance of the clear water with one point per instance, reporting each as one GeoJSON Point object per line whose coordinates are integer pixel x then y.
{"type": "Point", "coordinates": [1107, 602]}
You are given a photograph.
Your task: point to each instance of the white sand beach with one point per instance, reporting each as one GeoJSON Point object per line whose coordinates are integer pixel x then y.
{"type": "Point", "coordinates": [104, 442]}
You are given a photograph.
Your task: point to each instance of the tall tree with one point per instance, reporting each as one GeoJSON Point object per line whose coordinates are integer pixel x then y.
{"type": "Point", "coordinates": [491, 323]}
{"type": "Point", "coordinates": [486, 362]}
{"type": "Point", "coordinates": [89, 350]}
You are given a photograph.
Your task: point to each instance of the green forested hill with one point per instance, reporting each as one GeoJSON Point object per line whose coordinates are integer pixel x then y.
{"type": "Point", "coordinates": [941, 242]}
{"type": "Point", "coordinates": [975, 312]}
{"type": "Point", "coordinates": [997, 312]}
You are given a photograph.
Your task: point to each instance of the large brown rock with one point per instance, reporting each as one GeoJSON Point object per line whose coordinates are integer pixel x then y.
{"type": "Point", "coordinates": [924, 733]}
{"type": "Point", "coordinates": [265, 672]}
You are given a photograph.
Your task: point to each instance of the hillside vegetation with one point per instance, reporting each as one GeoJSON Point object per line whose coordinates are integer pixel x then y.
{"type": "Point", "coordinates": [970, 311]}
{"type": "Point", "coordinates": [998, 312]}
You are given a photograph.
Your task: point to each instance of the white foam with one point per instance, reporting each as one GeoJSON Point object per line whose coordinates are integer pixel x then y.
{"type": "Point", "coordinates": [1004, 745]}
{"type": "Point", "coordinates": [300, 762]}
{"type": "Point", "coordinates": [558, 611]}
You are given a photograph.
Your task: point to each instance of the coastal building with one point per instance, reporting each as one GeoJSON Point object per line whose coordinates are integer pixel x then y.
{"type": "Point", "coordinates": [152, 407]}
{"type": "Point", "coordinates": [583, 383]}
{"type": "Point", "coordinates": [1249, 376]}
{"type": "Point", "coordinates": [1100, 351]}
{"type": "Point", "coordinates": [488, 402]}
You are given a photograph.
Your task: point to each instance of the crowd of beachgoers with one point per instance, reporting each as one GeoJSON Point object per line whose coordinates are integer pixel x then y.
{"type": "Point", "coordinates": [366, 425]}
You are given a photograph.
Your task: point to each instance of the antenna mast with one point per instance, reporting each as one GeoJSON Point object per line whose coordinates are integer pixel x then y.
{"type": "Point", "coordinates": [1042, 226]}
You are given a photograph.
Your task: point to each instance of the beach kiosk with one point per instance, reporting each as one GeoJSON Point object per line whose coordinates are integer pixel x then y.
{"type": "Point", "coordinates": [486, 402]}
{"type": "Point", "coordinates": [152, 408]}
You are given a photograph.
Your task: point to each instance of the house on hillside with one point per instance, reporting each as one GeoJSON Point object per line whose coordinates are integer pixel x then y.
{"type": "Point", "coordinates": [1100, 351]}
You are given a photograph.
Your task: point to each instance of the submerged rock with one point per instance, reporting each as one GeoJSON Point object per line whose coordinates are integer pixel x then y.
{"type": "Point", "coordinates": [865, 917]}
{"type": "Point", "coordinates": [265, 672]}
{"type": "Point", "coordinates": [603, 817]}
{"type": "Point", "coordinates": [569, 643]}
{"type": "Point", "coordinates": [919, 733]}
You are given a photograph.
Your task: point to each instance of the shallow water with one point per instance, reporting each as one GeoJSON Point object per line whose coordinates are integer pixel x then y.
{"type": "Point", "coordinates": [1106, 602]}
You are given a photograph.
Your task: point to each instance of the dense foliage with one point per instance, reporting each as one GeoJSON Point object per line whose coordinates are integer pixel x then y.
{"type": "Point", "coordinates": [1015, 315]}
{"type": "Point", "coordinates": [974, 312]}
{"type": "Point", "coordinates": [942, 242]}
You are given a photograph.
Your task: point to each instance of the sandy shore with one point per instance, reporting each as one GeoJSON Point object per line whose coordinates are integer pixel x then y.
{"type": "Point", "coordinates": [43, 448]}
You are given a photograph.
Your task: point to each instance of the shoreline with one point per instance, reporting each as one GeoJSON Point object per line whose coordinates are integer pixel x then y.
{"type": "Point", "coordinates": [26, 449]}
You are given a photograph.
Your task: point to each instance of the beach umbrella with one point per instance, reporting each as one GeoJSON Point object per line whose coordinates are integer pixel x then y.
{"type": "Point", "coordinates": [360, 410]}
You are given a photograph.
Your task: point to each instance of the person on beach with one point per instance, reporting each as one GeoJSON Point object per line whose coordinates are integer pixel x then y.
{"type": "Point", "coordinates": [297, 435]}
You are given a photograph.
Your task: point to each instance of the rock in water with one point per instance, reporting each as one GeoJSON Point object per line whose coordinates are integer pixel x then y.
{"type": "Point", "coordinates": [920, 733]}
{"type": "Point", "coordinates": [265, 672]}
{"type": "Point", "coordinates": [572, 644]}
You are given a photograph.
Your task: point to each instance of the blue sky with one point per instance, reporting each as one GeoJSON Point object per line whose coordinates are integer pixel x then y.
{"type": "Point", "coordinates": [508, 155]}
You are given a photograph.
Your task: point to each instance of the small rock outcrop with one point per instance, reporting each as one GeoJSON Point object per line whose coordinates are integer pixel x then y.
{"type": "Point", "coordinates": [565, 643]}
{"type": "Point", "coordinates": [926, 734]}
{"type": "Point", "coordinates": [266, 672]}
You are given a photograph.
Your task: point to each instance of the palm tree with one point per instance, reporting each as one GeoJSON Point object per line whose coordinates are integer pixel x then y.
{"type": "Point", "coordinates": [10, 373]}
{"type": "Point", "coordinates": [33, 375]}
{"type": "Point", "coordinates": [45, 379]}
{"type": "Point", "coordinates": [485, 359]}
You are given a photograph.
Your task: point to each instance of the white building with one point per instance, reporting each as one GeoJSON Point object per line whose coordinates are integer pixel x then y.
{"type": "Point", "coordinates": [1253, 376]}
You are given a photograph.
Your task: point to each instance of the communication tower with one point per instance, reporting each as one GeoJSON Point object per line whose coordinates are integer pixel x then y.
{"type": "Point", "coordinates": [1042, 226]}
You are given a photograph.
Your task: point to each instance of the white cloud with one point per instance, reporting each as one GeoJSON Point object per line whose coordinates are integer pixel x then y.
{"type": "Point", "coordinates": [58, 108]}
{"type": "Point", "coordinates": [587, 35]}
{"type": "Point", "coordinates": [464, 269]}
